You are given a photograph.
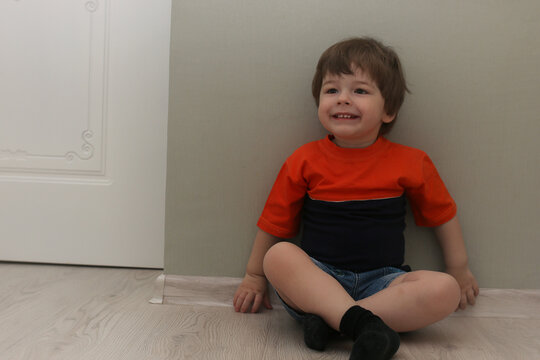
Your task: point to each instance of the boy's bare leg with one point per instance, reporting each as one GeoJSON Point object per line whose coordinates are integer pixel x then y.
{"type": "Point", "coordinates": [304, 286]}
{"type": "Point", "coordinates": [412, 301]}
{"type": "Point", "coordinates": [415, 300]}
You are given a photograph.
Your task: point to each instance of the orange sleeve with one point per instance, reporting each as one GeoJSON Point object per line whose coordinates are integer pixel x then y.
{"type": "Point", "coordinates": [281, 214]}
{"type": "Point", "coordinates": [431, 202]}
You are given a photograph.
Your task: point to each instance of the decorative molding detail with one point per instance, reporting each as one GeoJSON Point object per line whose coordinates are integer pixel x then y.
{"type": "Point", "coordinates": [87, 151]}
{"type": "Point", "coordinates": [13, 154]}
{"type": "Point", "coordinates": [89, 159]}
{"type": "Point", "coordinates": [87, 148]}
{"type": "Point", "coordinates": [92, 5]}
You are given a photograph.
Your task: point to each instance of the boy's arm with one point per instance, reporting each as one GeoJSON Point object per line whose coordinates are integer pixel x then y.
{"type": "Point", "coordinates": [254, 288]}
{"type": "Point", "coordinates": [456, 260]}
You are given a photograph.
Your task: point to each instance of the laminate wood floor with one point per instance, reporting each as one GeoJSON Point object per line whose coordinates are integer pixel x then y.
{"type": "Point", "coordinates": [64, 312]}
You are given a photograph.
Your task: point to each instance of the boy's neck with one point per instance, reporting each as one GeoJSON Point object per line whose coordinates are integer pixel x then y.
{"type": "Point", "coordinates": [353, 144]}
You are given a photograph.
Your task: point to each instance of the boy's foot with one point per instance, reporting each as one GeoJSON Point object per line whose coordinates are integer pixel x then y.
{"type": "Point", "coordinates": [373, 339]}
{"type": "Point", "coordinates": [316, 332]}
{"type": "Point", "coordinates": [375, 343]}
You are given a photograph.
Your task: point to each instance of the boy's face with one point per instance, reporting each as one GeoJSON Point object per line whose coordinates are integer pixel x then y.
{"type": "Point", "coordinates": [351, 108]}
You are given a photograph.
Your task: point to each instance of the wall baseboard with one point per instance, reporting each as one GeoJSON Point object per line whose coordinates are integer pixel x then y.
{"type": "Point", "coordinates": [219, 291]}
{"type": "Point", "coordinates": [199, 290]}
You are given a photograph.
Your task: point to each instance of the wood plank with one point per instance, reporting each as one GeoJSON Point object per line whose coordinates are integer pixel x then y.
{"type": "Point", "coordinates": [58, 311]}
{"type": "Point", "coordinates": [62, 312]}
{"type": "Point", "coordinates": [474, 338]}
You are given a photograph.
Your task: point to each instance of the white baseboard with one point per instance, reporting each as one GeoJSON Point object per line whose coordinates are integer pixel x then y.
{"type": "Point", "coordinates": [219, 291]}
{"type": "Point", "coordinates": [199, 290]}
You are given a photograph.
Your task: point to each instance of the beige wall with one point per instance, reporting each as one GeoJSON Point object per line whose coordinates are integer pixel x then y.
{"type": "Point", "coordinates": [240, 104]}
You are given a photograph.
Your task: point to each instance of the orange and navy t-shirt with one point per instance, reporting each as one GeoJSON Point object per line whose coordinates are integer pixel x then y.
{"type": "Point", "coordinates": [351, 202]}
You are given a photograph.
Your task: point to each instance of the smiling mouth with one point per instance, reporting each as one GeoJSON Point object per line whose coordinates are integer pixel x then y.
{"type": "Point", "coordinates": [344, 116]}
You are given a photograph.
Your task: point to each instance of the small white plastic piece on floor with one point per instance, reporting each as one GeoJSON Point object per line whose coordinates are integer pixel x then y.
{"type": "Point", "coordinates": [157, 291]}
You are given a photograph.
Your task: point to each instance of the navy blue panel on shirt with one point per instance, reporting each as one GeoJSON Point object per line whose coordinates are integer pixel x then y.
{"type": "Point", "coordinates": [355, 235]}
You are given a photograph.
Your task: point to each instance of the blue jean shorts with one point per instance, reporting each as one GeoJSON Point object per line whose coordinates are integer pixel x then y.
{"type": "Point", "coordinates": [358, 285]}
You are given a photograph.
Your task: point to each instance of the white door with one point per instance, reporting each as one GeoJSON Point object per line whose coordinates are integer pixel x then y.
{"type": "Point", "coordinates": [83, 123]}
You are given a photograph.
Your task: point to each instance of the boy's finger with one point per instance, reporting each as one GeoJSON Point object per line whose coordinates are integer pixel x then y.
{"type": "Point", "coordinates": [471, 297]}
{"type": "Point", "coordinates": [247, 302]}
{"type": "Point", "coordinates": [238, 300]}
{"type": "Point", "coordinates": [235, 298]}
{"type": "Point", "coordinates": [256, 303]}
{"type": "Point", "coordinates": [463, 301]}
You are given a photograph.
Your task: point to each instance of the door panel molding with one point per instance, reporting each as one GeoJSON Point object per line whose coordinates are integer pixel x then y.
{"type": "Point", "coordinates": [53, 117]}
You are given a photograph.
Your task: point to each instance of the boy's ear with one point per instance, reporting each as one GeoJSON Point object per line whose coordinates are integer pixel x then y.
{"type": "Point", "coordinates": [388, 118]}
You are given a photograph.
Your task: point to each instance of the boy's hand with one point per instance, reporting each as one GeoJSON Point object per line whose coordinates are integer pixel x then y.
{"type": "Point", "coordinates": [468, 285]}
{"type": "Point", "coordinates": [251, 293]}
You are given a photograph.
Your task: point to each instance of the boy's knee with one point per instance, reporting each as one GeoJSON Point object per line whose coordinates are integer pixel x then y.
{"type": "Point", "coordinates": [439, 292]}
{"type": "Point", "coordinates": [279, 255]}
{"type": "Point", "coordinates": [446, 293]}
{"type": "Point", "coordinates": [275, 254]}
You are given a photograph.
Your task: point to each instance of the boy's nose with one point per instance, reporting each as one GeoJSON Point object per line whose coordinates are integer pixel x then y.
{"type": "Point", "coordinates": [343, 99]}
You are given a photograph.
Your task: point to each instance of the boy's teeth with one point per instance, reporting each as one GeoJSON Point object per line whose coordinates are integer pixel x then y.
{"type": "Point", "coordinates": [344, 116]}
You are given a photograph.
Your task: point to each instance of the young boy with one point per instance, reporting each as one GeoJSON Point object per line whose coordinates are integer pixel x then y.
{"type": "Point", "coordinates": [350, 190]}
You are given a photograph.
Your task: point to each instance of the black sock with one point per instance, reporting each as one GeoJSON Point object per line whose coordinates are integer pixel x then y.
{"type": "Point", "coordinates": [373, 339]}
{"type": "Point", "coordinates": [316, 332]}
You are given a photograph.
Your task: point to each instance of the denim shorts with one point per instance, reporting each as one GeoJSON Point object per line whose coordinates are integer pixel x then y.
{"type": "Point", "coordinates": [358, 285]}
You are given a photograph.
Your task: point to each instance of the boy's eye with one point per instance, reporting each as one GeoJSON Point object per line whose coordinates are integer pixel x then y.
{"type": "Point", "coordinates": [331, 91]}
{"type": "Point", "coordinates": [360, 91]}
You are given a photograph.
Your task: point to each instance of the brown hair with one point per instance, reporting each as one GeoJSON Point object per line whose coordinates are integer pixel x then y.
{"type": "Point", "coordinates": [371, 56]}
